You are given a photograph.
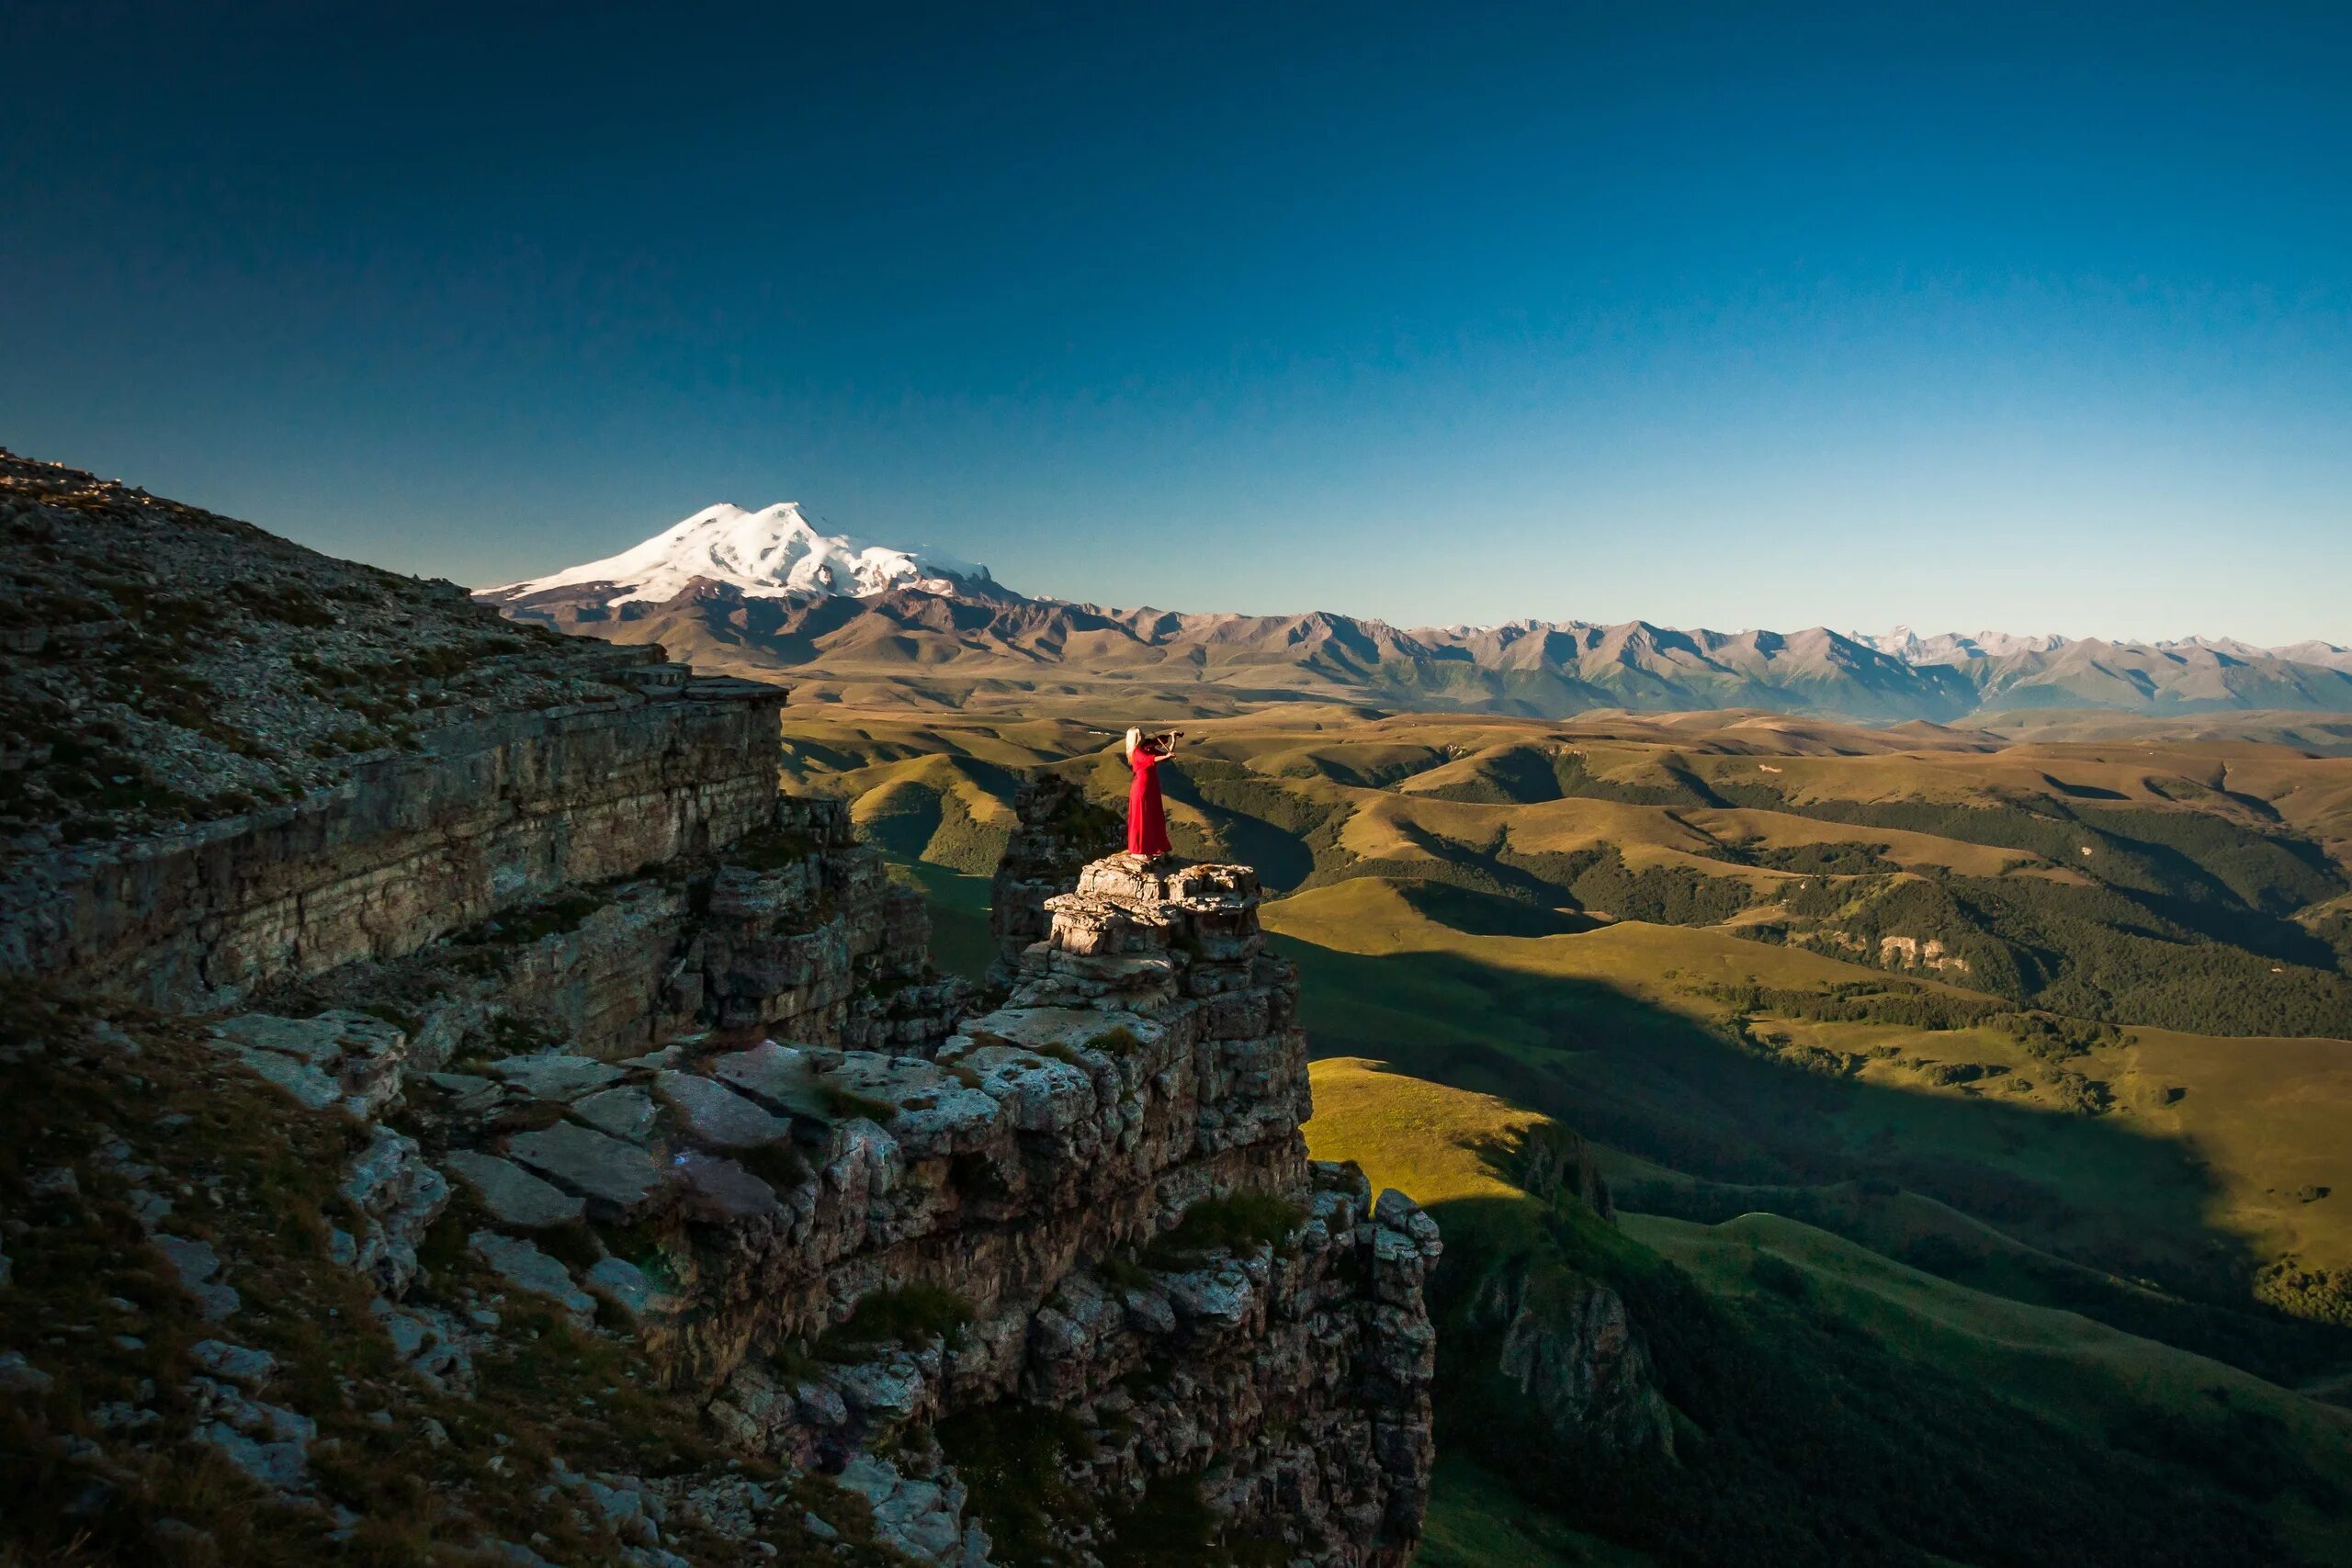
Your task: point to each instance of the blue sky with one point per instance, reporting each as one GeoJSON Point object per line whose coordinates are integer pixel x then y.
{"type": "Point", "coordinates": [2037, 318]}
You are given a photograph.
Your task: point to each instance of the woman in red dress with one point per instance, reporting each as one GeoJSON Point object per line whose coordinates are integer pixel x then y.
{"type": "Point", "coordinates": [1147, 819]}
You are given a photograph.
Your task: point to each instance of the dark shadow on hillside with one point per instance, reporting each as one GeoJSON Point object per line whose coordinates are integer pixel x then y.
{"type": "Point", "coordinates": [1802, 1442]}
{"type": "Point", "coordinates": [1485, 914]}
{"type": "Point", "coordinates": [1281, 861]}
{"type": "Point", "coordinates": [906, 830]}
{"type": "Point", "coordinates": [1652, 1082]}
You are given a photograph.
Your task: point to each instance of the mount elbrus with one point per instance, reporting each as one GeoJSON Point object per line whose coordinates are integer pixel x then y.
{"type": "Point", "coordinates": [459, 1110]}
{"type": "Point", "coordinates": [756, 592]}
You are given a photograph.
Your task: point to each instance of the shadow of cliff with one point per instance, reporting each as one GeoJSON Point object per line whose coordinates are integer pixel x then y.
{"type": "Point", "coordinates": [1281, 859]}
{"type": "Point", "coordinates": [2100, 1206]}
{"type": "Point", "coordinates": [1800, 1442]}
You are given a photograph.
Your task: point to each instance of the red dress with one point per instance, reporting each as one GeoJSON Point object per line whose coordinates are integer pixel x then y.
{"type": "Point", "coordinates": [1147, 820]}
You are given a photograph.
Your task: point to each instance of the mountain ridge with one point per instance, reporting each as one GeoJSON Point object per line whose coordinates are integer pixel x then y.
{"type": "Point", "coordinates": [764, 593]}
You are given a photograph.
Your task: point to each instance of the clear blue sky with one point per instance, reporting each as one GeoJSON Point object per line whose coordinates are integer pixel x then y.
{"type": "Point", "coordinates": [2035, 317]}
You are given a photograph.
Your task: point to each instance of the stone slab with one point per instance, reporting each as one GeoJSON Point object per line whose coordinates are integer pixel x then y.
{"type": "Point", "coordinates": [513, 1195]}
{"type": "Point", "coordinates": [555, 1075]}
{"type": "Point", "coordinates": [625, 1112]}
{"type": "Point", "coordinates": [713, 1114]}
{"type": "Point", "coordinates": [526, 1268]}
{"type": "Point", "coordinates": [620, 1177]}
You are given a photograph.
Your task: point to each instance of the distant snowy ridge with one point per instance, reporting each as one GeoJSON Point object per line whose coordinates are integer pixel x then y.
{"type": "Point", "coordinates": [2311, 650]}
{"type": "Point", "coordinates": [1959, 647]}
{"type": "Point", "coordinates": [755, 592]}
{"type": "Point", "coordinates": [770, 553]}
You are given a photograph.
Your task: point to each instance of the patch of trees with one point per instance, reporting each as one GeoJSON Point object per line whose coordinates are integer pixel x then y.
{"type": "Point", "coordinates": [2315, 1295]}
{"type": "Point", "coordinates": [2094, 952]}
{"type": "Point", "coordinates": [2050, 1037]}
{"type": "Point", "coordinates": [1870, 909]}
{"type": "Point", "coordinates": [1664, 895]}
{"type": "Point", "coordinates": [1859, 1002]}
{"type": "Point", "coordinates": [1816, 860]}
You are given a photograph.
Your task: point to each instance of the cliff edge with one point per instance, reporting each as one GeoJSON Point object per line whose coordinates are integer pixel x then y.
{"type": "Point", "coordinates": [533, 1139]}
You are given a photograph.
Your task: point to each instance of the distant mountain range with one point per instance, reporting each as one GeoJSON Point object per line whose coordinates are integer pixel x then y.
{"type": "Point", "coordinates": [767, 594]}
{"type": "Point", "coordinates": [1959, 647]}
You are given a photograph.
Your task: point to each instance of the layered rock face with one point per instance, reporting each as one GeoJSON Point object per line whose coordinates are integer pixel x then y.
{"type": "Point", "coordinates": [1046, 1166]}
{"type": "Point", "coordinates": [793, 927]}
{"type": "Point", "coordinates": [720, 1111]}
{"type": "Point", "coordinates": [411, 848]}
{"type": "Point", "coordinates": [1060, 831]}
{"type": "Point", "coordinates": [1060, 1178]}
{"type": "Point", "coordinates": [538, 1047]}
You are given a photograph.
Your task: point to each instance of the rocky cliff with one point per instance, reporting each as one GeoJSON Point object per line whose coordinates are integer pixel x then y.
{"type": "Point", "coordinates": [407, 850]}
{"type": "Point", "coordinates": [1057, 832]}
{"type": "Point", "coordinates": [538, 1140]}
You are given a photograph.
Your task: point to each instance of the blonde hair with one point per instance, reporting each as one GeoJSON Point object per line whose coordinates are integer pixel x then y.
{"type": "Point", "coordinates": [1135, 738]}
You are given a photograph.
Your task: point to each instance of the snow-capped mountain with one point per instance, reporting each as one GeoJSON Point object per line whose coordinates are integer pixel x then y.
{"type": "Point", "coordinates": [771, 553]}
{"type": "Point", "coordinates": [762, 593]}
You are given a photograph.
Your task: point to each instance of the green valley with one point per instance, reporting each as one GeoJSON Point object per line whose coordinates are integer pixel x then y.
{"type": "Point", "coordinates": [1971, 1105]}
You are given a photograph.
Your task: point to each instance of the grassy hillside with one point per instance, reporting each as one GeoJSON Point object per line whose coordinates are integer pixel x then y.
{"type": "Point", "coordinates": [2157, 1180]}
{"type": "Point", "coordinates": [2091, 993]}
{"type": "Point", "coordinates": [1832, 1404]}
{"type": "Point", "coordinates": [1475, 1520]}
{"type": "Point", "coordinates": [2018, 1070]}
{"type": "Point", "coordinates": [2203, 887]}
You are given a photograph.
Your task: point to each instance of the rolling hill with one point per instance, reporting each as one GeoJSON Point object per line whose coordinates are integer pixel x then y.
{"type": "Point", "coordinates": [1973, 1188]}
{"type": "Point", "coordinates": [1660, 928]}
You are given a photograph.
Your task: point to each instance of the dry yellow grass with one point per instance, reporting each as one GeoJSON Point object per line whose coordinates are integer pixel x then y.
{"type": "Point", "coordinates": [1369, 915]}
{"type": "Point", "coordinates": [1424, 1139]}
{"type": "Point", "coordinates": [1781, 829]}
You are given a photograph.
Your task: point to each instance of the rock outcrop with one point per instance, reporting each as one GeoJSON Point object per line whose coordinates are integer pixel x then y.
{"type": "Point", "coordinates": [1568, 1345]}
{"type": "Point", "coordinates": [847, 1221]}
{"type": "Point", "coordinates": [1562, 1339]}
{"type": "Point", "coordinates": [1058, 832]}
{"type": "Point", "coordinates": [409, 849]}
{"type": "Point", "coordinates": [840, 1248]}
{"type": "Point", "coordinates": [541, 1058]}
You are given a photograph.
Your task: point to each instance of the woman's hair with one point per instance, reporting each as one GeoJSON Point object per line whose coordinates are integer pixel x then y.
{"type": "Point", "coordinates": [1135, 738]}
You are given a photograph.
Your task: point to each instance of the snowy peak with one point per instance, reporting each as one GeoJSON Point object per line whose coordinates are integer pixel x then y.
{"type": "Point", "coordinates": [772, 553]}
